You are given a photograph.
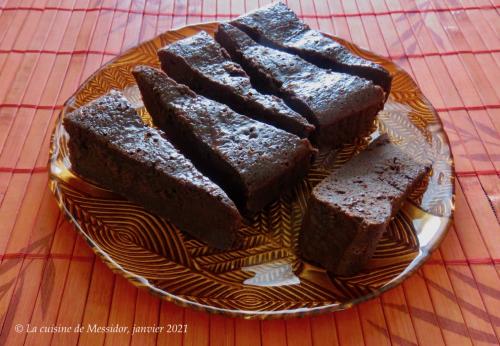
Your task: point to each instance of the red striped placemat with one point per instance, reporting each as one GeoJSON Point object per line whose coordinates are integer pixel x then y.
{"type": "Point", "coordinates": [49, 276]}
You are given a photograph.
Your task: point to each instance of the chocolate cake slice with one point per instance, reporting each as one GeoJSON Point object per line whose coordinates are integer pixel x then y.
{"type": "Point", "coordinates": [350, 209]}
{"type": "Point", "coordinates": [252, 161]}
{"type": "Point", "coordinates": [203, 65]}
{"type": "Point", "coordinates": [340, 106]}
{"type": "Point", "coordinates": [279, 27]}
{"type": "Point", "coordinates": [110, 145]}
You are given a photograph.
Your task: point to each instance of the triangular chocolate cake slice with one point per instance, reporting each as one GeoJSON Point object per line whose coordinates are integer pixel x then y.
{"type": "Point", "coordinates": [279, 27]}
{"type": "Point", "coordinates": [340, 106]}
{"type": "Point", "coordinates": [252, 161]}
{"type": "Point", "coordinates": [202, 64]}
{"type": "Point", "coordinates": [349, 210]}
{"type": "Point", "coordinates": [110, 145]}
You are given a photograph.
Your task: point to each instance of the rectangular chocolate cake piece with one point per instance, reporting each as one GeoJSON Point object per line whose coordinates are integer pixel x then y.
{"type": "Point", "coordinates": [279, 27]}
{"type": "Point", "coordinates": [203, 65]}
{"type": "Point", "coordinates": [110, 145]}
{"type": "Point", "coordinates": [350, 209]}
{"type": "Point", "coordinates": [340, 106]}
{"type": "Point", "coordinates": [252, 161]}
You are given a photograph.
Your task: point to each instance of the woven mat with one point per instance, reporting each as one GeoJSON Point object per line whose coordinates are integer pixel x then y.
{"type": "Point", "coordinates": [49, 276]}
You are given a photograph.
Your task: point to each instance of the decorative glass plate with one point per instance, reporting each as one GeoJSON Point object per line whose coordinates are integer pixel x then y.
{"type": "Point", "coordinates": [263, 277]}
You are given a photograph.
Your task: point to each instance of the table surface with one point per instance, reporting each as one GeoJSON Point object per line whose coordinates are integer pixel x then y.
{"type": "Point", "coordinates": [50, 277]}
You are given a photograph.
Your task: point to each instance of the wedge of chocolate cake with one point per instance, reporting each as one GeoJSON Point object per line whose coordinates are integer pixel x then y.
{"type": "Point", "coordinates": [203, 65]}
{"type": "Point", "coordinates": [252, 161]}
{"type": "Point", "coordinates": [279, 27]}
{"type": "Point", "coordinates": [350, 209]}
{"type": "Point", "coordinates": [340, 106]}
{"type": "Point", "coordinates": [110, 145]}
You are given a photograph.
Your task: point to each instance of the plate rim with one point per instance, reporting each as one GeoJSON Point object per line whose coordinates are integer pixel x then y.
{"type": "Point", "coordinates": [142, 283]}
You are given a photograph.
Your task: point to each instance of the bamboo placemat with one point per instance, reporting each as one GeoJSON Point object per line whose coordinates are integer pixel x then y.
{"type": "Point", "coordinates": [49, 276]}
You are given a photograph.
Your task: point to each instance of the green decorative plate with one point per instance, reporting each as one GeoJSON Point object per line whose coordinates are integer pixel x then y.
{"type": "Point", "coordinates": [263, 277]}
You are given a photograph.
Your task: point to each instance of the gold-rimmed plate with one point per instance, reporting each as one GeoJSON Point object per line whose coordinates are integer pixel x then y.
{"type": "Point", "coordinates": [263, 277]}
